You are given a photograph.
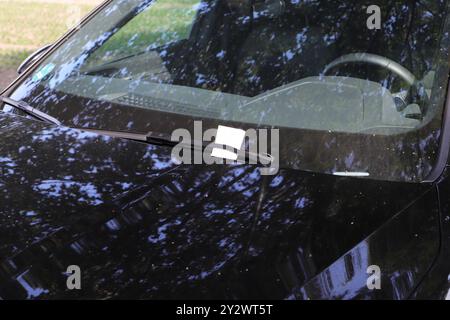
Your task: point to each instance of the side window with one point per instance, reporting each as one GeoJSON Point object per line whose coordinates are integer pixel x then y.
{"type": "Point", "coordinates": [163, 22]}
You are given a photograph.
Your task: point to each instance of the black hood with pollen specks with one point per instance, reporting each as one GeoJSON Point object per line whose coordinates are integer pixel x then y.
{"type": "Point", "coordinates": [141, 226]}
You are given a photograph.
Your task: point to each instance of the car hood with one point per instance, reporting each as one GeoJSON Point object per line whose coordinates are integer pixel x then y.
{"type": "Point", "coordinates": [140, 225]}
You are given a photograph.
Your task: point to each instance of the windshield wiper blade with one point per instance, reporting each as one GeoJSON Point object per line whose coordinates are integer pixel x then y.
{"type": "Point", "coordinates": [153, 138]}
{"type": "Point", "coordinates": [165, 140]}
{"type": "Point", "coordinates": [23, 106]}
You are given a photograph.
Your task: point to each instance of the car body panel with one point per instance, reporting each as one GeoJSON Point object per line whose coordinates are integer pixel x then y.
{"type": "Point", "coordinates": [436, 284]}
{"type": "Point", "coordinates": [412, 235]}
{"type": "Point", "coordinates": [141, 226]}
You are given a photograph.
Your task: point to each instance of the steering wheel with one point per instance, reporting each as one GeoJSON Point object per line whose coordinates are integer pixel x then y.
{"type": "Point", "coordinates": [374, 59]}
{"type": "Point", "coordinates": [416, 93]}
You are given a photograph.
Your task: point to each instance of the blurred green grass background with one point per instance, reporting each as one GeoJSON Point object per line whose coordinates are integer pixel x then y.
{"type": "Point", "coordinates": [168, 20]}
{"type": "Point", "coordinates": [26, 25]}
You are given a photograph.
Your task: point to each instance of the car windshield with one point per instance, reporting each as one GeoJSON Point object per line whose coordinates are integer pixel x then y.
{"type": "Point", "coordinates": [353, 86]}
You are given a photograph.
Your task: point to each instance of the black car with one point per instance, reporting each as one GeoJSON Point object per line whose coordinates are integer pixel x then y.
{"type": "Point", "coordinates": [94, 204]}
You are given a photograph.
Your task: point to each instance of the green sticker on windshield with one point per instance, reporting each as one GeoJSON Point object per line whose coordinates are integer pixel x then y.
{"type": "Point", "coordinates": [45, 70]}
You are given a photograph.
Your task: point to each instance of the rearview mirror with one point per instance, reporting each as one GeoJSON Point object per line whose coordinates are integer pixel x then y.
{"type": "Point", "coordinates": [32, 57]}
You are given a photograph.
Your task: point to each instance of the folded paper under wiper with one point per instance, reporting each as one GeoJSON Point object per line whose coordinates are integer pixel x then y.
{"type": "Point", "coordinates": [165, 140]}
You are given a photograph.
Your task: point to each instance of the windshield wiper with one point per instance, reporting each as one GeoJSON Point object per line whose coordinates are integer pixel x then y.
{"type": "Point", "coordinates": [151, 137]}
{"type": "Point", "coordinates": [35, 113]}
{"type": "Point", "coordinates": [162, 139]}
